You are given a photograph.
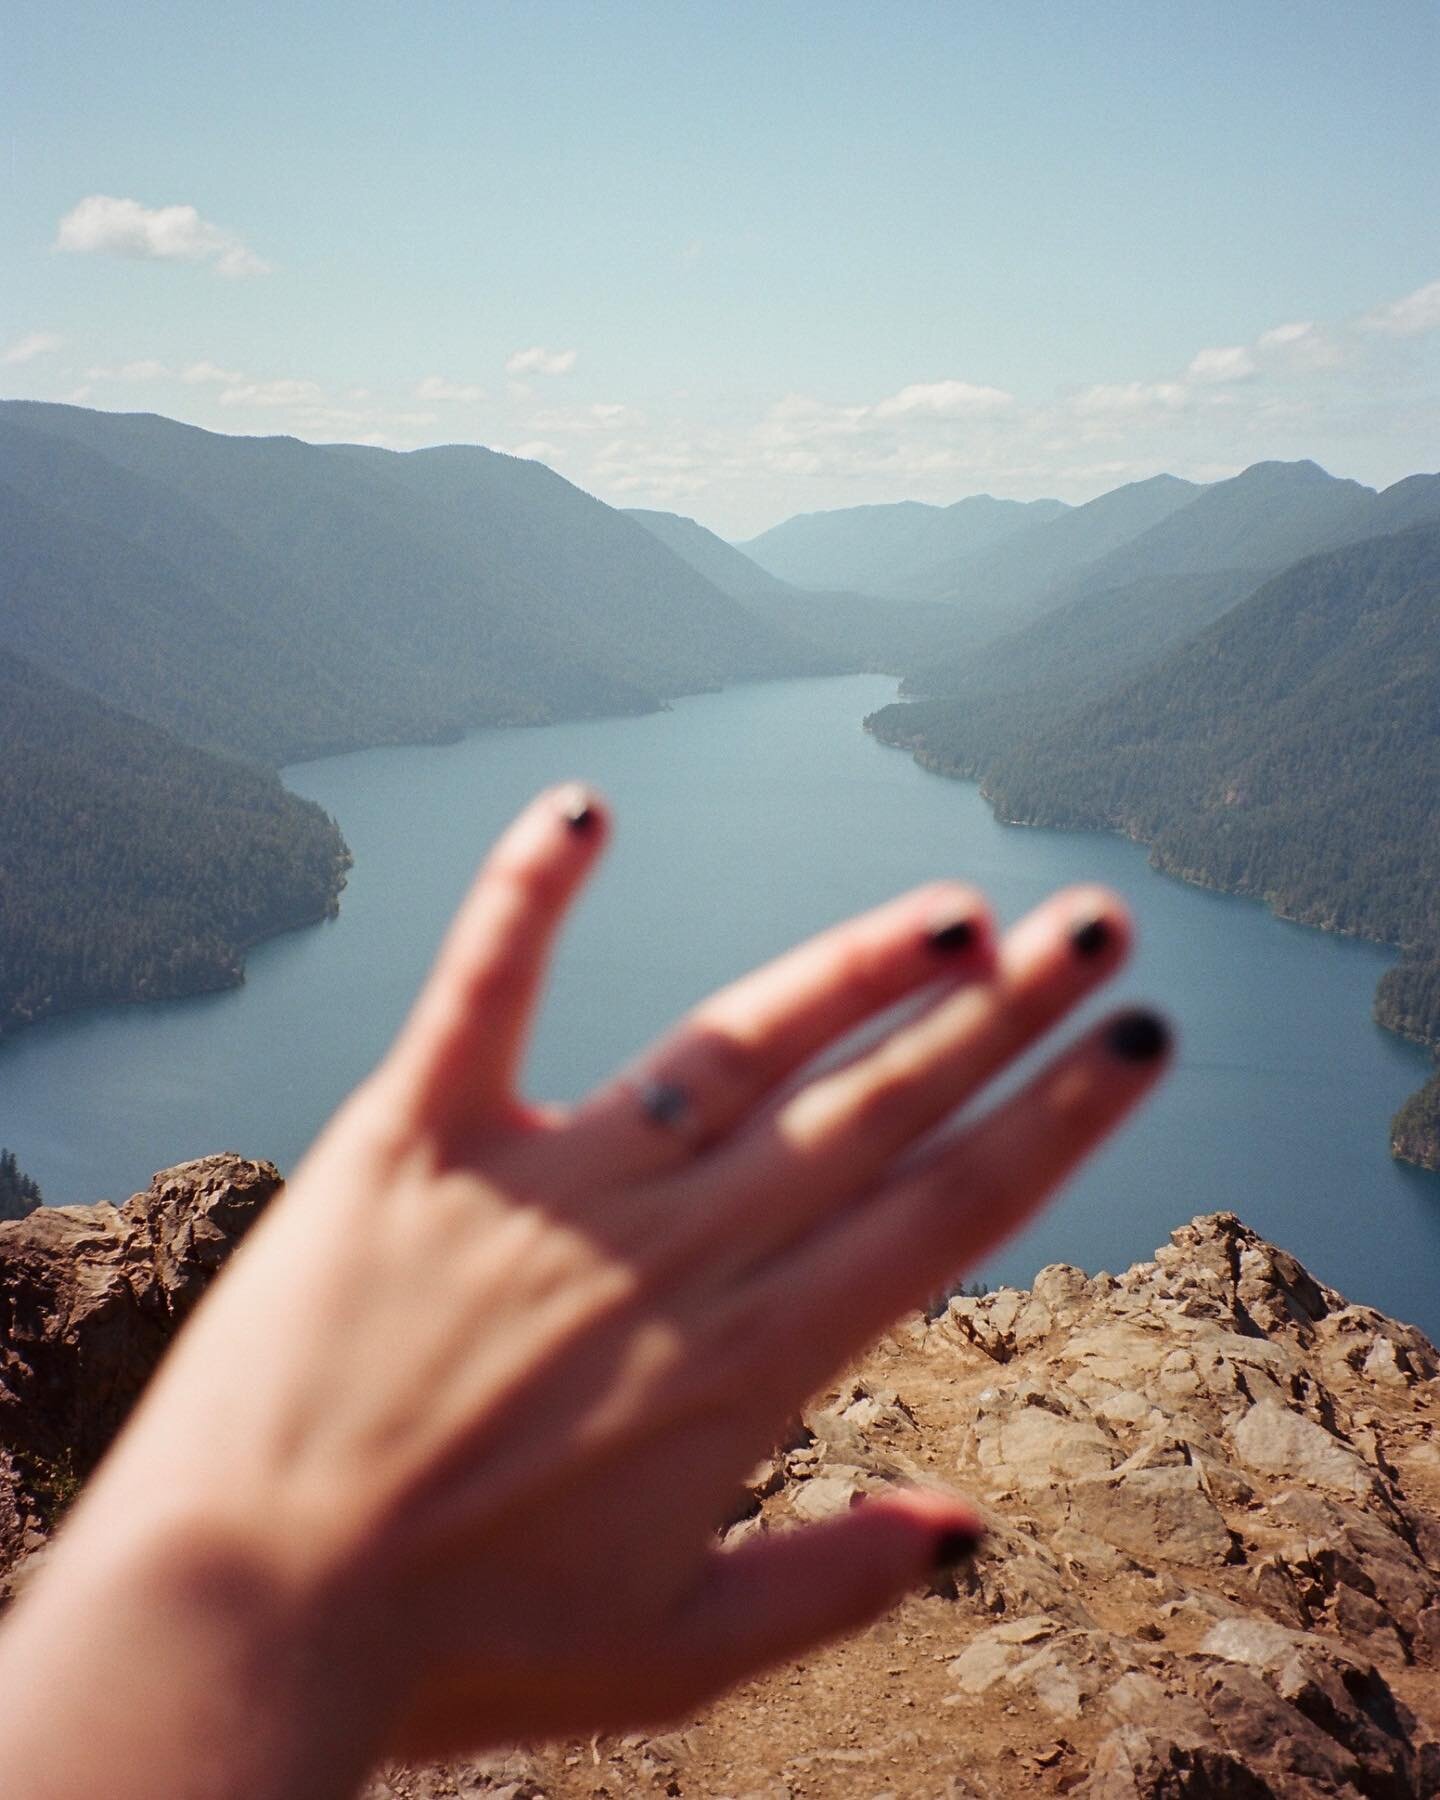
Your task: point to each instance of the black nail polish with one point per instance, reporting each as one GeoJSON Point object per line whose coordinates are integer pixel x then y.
{"type": "Point", "coordinates": [955, 1547]}
{"type": "Point", "coordinates": [1091, 936]}
{"type": "Point", "coordinates": [958, 935]}
{"type": "Point", "coordinates": [1138, 1037]}
{"type": "Point", "coordinates": [580, 815]}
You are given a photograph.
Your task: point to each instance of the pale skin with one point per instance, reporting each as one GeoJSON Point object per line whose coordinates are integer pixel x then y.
{"type": "Point", "coordinates": [439, 1461]}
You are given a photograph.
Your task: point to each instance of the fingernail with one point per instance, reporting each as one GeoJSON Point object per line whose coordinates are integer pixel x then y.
{"type": "Point", "coordinates": [958, 935]}
{"type": "Point", "coordinates": [1091, 936]}
{"type": "Point", "coordinates": [955, 1547]}
{"type": "Point", "coordinates": [1138, 1037]}
{"type": "Point", "coordinates": [578, 812]}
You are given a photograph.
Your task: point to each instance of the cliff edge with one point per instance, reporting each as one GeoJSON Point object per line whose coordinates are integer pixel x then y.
{"type": "Point", "coordinates": [1213, 1488]}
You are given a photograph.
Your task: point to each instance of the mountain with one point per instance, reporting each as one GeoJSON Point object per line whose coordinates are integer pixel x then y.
{"type": "Point", "coordinates": [731, 570]}
{"type": "Point", "coordinates": [281, 599]}
{"type": "Point", "coordinates": [1023, 567]}
{"type": "Point", "coordinates": [983, 701]}
{"type": "Point", "coordinates": [879, 549]}
{"type": "Point", "coordinates": [1013, 686]}
{"type": "Point", "coordinates": [1267, 516]}
{"type": "Point", "coordinates": [1290, 751]}
{"type": "Point", "coordinates": [867, 632]}
{"type": "Point", "coordinates": [133, 866]}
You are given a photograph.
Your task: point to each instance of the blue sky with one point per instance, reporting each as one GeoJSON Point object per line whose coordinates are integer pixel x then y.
{"type": "Point", "coordinates": [748, 260]}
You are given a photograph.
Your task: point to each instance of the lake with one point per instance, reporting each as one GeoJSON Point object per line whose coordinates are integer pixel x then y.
{"type": "Point", "coordinates": [745, 820]}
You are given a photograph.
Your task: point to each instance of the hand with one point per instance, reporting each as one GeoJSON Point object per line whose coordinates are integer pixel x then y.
{"type": "Point", "coordinates": [489, 1373]}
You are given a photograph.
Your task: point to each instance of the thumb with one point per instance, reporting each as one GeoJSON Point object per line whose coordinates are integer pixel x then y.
{"type": "Point", "coordinates": [778, 1596]}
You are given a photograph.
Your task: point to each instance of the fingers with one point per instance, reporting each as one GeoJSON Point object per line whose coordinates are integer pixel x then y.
{"type": "Point", "coordinates": [841, 1287]}
{"type": "Point", "coordinates": [778, 1596]}
{"type": "Point", "coordinates": [838, 1134]}
{"type": "Point", "coordinates": [464, 1042]}
{"type": "Point", "coordinates": [738, 1045]}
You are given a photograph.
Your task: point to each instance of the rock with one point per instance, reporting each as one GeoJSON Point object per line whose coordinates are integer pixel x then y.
{"type": "Point", "coordinates": [89, 1298]}
{"type": "Point", "coordinates": [1274, 1440]}
{"type": "Point", "coordinates": [1211, 1485]}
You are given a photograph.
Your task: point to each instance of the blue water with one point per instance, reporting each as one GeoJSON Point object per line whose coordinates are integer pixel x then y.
{"type": "Point", "coordinates": [747, 819]}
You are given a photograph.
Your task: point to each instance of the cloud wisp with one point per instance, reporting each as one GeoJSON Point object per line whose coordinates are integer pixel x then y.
{"type": "Point", "coordinates": [1410, 316]}
{"type": "Point", "coordinates": [537, 360]}
{"type": "Point", "coordinates": [106, 225]}
{"type": "Point", "coordinates": [33, 344]}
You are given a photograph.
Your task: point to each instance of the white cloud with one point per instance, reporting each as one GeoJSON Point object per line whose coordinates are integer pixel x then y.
{"type": "Point", "coordinates": [34, 343]}
{"type": "Point", "coordinates": [1408, 317]}
{"type": "Point", "coordinates": [199, 372]}
{"type": "Point", "coordinates": [273, 393]}
{"type": "Point", "coordinates": [105, 225]}
{"type": "Point", "coordinates": [1234, 363]}
{"type": "Point", "coordinates": [146, 369]}
{"type": "Point", "coordinates": [945, 400]}
{"type": "Point", "coordinates": [537, 360]}
{"type": "Point", "coordinates": [1130, 397]}
{"type": "Point", "coordinates": [1301, 343]}
{"type": "Point", "coordinates": [436, 387]}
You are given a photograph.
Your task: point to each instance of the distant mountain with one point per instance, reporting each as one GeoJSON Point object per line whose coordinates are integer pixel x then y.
{"type": "Point", "coordinates": [880, 549]}
{"type": "Point", "coordinates": [1167, 581]}
{"type": "Point", "coordinates": [732, 571]}
{"type": "Point", "coordinates": [866, 632]}
{"type": "Point", "coordinates": [1025, 565]}
{"type": "Point", "coordinates": [132, 866]}
{"type": "Point", "coordinates": [1291, 751]}
{"type": "Point", "coordinates": [1261, 519]}
{"type": "Point", "coordinates": [1005, 690]}
{"type": "Point", "coordinates": [281, 599]}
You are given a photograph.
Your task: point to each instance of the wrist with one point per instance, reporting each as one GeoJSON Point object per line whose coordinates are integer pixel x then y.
{"type": "Point", "coordinates": [225, 1665]}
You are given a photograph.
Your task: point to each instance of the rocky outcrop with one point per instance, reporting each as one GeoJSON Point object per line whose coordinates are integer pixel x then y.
{"type": "Point", "coordinates": [1212, 1484]}
{"type": "Point", "coordinates": [1213, 1567]}
{"type": "Point", "coordinates": [89, 1298]}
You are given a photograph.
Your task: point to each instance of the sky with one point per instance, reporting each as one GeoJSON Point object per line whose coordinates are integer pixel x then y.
{"type": "Point", "coordinates": [748, 260]}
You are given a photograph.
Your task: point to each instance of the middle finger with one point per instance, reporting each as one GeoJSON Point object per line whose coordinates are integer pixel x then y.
{"type": "Point", "coordinates": [830, 1140]}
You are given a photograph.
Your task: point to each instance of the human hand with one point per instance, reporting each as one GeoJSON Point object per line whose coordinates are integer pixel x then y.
{"type": "Point", "coordinates": [491, 1372]}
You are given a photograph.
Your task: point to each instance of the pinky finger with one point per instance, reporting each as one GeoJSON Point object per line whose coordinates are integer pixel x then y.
{"type": "Point", "coordinates": [844, 1286]}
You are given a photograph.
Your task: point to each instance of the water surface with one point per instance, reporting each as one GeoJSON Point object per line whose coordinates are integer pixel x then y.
{"type": "Point", "coordinates": [747, 819]}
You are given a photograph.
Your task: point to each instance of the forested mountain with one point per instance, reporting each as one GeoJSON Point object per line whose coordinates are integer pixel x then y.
{"type": "Point", "coordinates": [1262, 519]}
{"type": "Point", "coordinates": [1013, 686]}
{"type": "Point", "coordinates": [281, 599]}
{"type": "Point", "coordinates": [879, 549]}
{"type": "Point", "coordinates": [1290, 751]}
{"type": "Point", "coordinates": [131, 865]}
{"type": "Point", "coordinates": [1023, 567]}
{"type": "Point", "coordinates": [730, 569]}
{"type": "Point", "coordinates": [861, 629]}
{"type": "Point", "coordinates": [1175, 578]}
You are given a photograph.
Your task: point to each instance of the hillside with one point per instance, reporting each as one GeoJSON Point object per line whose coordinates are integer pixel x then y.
{"type": "Point", "coordinates": [867, 632]}
{"type": "Point", "coordinates": [280, 599]}
{"type": "Point", "coordinates": [1025, 566]}
{"type": "Point", "coordinates": [1291, 751]}
{"type": "Point", "coordinates": [1210, 1484]}
{"type": "Point", "coordinates": [1022, 682]}
{"type": "Point", "coordinates": [132, 866]}
{"type": "Point", "coordinates": [880, 549]}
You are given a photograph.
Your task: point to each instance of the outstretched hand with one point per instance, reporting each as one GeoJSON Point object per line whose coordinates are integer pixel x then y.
{"type": "Point", "coordinates": [479, 1388]}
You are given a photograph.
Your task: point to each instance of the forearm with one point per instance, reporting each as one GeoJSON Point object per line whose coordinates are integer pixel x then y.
{"type": "Point", "coordinates": [174, 1661]}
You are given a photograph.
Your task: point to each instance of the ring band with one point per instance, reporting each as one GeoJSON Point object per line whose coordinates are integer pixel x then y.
{"type": "Point", "coordinates": [665, 1103]}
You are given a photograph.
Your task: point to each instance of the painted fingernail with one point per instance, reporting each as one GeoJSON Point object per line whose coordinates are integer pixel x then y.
{"type": "Point", "coordinates": [1090, 936]}
{"type": "Point", "coordinates": [958, 935]}
{"type": "Point", "coordinates": [578, 812]}
{"type": "Point", "coordinates": [1138, 1037]}
{"type": "Point", "coordinates": [955, 1547]}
